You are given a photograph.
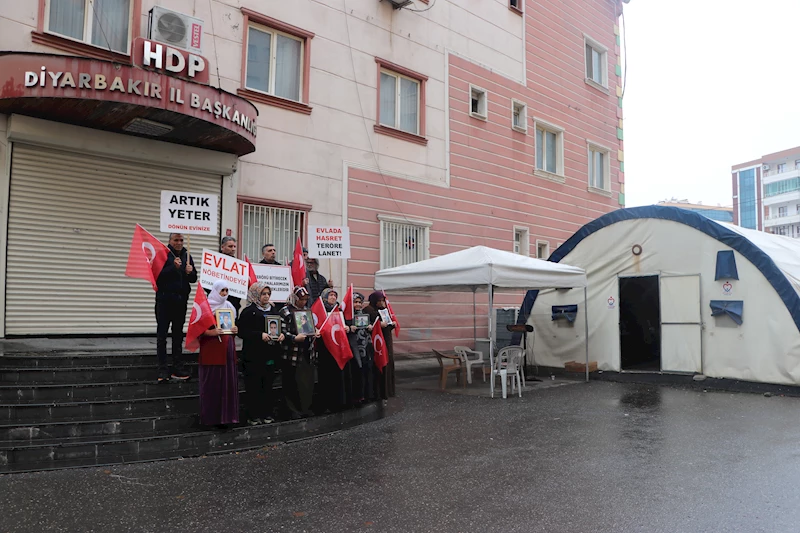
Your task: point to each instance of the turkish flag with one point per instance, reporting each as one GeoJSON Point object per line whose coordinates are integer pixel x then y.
{"type": "Point", "coordinates": [347, 304]}
{"type": "Point", "coordinates": [200, 321]}
{"type": "Point", "coordinates": [393, 316]}
{"type": "Point", "coordinates": [298, 265]}
{"type": "Point", "coordinates": [335, 339]}
{"type": "Point", "coordinates": [318, 310]}
{"type": "Point", "coordinates": [253, 278]}
{"type": "Point", "coordinates": [379, 345]}
{"type": "Point", "coordinates": [146, 257]}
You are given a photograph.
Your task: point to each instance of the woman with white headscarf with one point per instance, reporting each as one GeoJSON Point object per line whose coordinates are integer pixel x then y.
{"type": "Point", "coordinates": [219, 377]}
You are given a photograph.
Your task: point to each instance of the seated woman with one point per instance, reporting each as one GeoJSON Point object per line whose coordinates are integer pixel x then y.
{"type": "Point", "coordinates": [219, 378]}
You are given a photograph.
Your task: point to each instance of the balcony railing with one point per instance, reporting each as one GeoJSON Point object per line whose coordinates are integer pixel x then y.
{"type": "Point", "coordinates": [775, 172]}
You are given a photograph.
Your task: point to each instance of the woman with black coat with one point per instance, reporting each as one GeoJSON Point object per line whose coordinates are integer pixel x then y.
{"type": "Point", "coordinates": [261, 353]}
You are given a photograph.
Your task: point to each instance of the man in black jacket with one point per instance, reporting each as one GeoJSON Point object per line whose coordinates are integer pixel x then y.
{"type": "Point", "coordinates": [174, 286]}
{"type": "Point", "coordinates": [227, 246]}
{"type": "Point", "coordinates": [316, 281]}
{"type": "Point", "coordinates": [269, 252]}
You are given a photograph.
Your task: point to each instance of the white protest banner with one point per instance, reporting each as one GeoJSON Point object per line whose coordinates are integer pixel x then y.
{"type": "Point", "coordinates": [216, 266]}
{"type": "Point", "coordinates": [189, 212]}
{"type": "Point", "coordinates": [279, 279]}
{"type": "Point", "coordinates": [331, 242]}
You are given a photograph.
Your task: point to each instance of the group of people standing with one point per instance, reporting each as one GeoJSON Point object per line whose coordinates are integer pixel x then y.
{"type": "Point", "coordinates": [311, 380]}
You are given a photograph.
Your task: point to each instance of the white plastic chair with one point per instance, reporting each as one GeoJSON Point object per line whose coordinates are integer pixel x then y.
{"type": "Point", "coordinates": [507, 365]}
{"type": "Point", "coordinates": [478, 360]}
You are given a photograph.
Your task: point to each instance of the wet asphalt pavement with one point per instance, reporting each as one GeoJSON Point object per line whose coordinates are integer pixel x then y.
{"type": "Point", "coordinates": [602, 457]}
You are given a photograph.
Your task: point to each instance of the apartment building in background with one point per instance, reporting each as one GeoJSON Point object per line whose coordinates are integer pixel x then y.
{"type": "Point", "coordinates": [426, 128]}
{"type": "Point", "coordinates": [766, 193]}
{"type": "Point", "coordinates": [718, 212]}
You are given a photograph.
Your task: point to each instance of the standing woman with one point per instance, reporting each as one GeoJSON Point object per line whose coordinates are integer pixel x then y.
{"type": "Point", "coordinates": [384, 381]}
{"type": "Point", "coordinates": [298, 366]}
{"type": "Point", "coordinates": [261, 352]}
{"type": "Point", "coordinates": [219, 379]}
{"type": "Point", "coordinates": [334, 390]}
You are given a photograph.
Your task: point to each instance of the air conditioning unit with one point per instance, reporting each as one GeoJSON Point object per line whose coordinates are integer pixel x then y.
{"type": "Point", "coordinates": [176, 29]}
{"type": "Point", "coordinates": [766, 167]}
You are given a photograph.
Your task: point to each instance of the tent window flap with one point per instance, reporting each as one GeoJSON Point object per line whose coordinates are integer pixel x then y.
{"type": "Point", "coordinates": [726, 266]}
{"type": "Point", "coordinates": [731, 308]}
{"type": "Point", "coordinates": [567, 312]}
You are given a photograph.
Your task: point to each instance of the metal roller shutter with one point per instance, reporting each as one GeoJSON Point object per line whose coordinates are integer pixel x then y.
{"type": "Point", "coordinates": [71, 218]}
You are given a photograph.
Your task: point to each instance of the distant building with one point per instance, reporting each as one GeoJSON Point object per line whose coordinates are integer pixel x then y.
{"type": "Point", "coordinates": [766, 193]}
{"type": "Point", "coordinates": [719, 213]}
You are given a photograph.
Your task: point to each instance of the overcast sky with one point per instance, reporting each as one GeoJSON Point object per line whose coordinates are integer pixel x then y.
{"type": "Point", "coordinates": [710, 83]}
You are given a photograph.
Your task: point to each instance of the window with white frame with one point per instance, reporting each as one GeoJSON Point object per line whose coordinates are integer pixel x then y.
{"type": "Point", "coordinates": [782, 211]}
{"type": "Point", "coordinates": [477, 102]}
{"type": "Point", "coordinates": [596, 62]}
{"type": "Point", "coordinates": [399, 107]}
{"type": "Point", "coordinates": [521, 241]}
{"type": "Point", "coordinates": [515, 4]}
{"type": "Point", "coordinates": [781, 167]}
{"type": "Point", "coordinates": [599, 168]}
{"type": "Point", "coordinates": [102, 23]}
{"type": "Point", "coordinates": [519, 116]}
{"type": "Point", "coordinates": [542, 249]}
{"type": "Point", "coordinates": [263, 224]}
{"type": "Point", "coordinates": [797, 164]}
{"type": "Point", "coordinates": [549, 148]}
{"type": "Point", "coordinates": [274, 62]}
{"type": "Point", "coordinates": [403, 241]}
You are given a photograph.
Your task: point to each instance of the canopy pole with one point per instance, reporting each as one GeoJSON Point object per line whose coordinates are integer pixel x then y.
{"type": "Point", "coordinates": [491, 335]}
{"type": "Point", "coordinates": [586, 328]}
{"type": "Point", "coordinates": [474, 321]}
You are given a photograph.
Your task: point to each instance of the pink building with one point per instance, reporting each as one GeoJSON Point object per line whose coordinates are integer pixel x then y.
{"type": "Point", "coordinates": [437, 126]}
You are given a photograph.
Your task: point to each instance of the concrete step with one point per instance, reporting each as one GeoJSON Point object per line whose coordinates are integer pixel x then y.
{"type": "Point", "coordinates": [16, 433]}
{"type": "Point", "coordinates": [72, 392]}
{"type": "Point", "coordinates": [113, 449]}
{"type": "Point", "coordinates": [100, 360]}
{"type": "Point", "coordinates": [88, 374]}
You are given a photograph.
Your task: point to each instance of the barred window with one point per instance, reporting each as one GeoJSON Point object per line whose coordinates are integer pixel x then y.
{"type": "Point", "coordinates": [403, 241]}
{"type": "Point", "coordinates": [263, 224]}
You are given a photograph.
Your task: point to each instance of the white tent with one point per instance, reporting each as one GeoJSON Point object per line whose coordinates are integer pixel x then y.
{"type": "Point", "coordinates": [726, 300]}
{"type": "Point", "coordinates": [478, 267]}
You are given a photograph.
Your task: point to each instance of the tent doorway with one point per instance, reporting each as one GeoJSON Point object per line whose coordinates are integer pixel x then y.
{"type": "Point", "coordinates": [640, 323]}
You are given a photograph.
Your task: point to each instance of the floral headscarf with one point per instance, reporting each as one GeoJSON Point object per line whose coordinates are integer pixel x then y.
{"type": "Point", "coordinates": [254, 294]}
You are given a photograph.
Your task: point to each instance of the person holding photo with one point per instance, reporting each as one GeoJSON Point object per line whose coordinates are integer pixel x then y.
{"type": "Point", "coordinates": [384, 381]}
{"type": "Point", "coordinates": [298, 363]}
{"type": "Point", "coordinates": [361, 346]}
{"type": "Point", "coordinates": [219, 379]}
{"type": "Point", "coordinates": [261, 351]}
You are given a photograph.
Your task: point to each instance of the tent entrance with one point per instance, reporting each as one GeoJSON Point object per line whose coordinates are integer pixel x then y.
{"type": "Point", "coordinates": [640, 323]}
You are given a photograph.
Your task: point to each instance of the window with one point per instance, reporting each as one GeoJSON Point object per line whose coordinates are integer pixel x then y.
{"type": "Point", "coordinates": [102, 23]}
{"type": "Point", "coordinates": [781, 187]}
{"type": "Point", "coordinates": [782, 211]}
{"type": "Point", "coordinates": [781, 167]}
{"type": "Point", "coordinates": [797, 164]}
{"type": "Point", "coordinates": [549, 149]}
{"type": "Point", "coordinates": [798, 209]}
{"type": "Point", "coordinates": [599, 168]}
{"type": "Point", "coordinates": [516, 4]}
{"type": "Point", "coordinates": [403, 241]}
{"type": "Point", "coordinates": [477, 102]}
{"type": "Point", "coordinates": [274, 63]}
{"type": "Point", "coordinates": [264, 224]}
{"type": "Point", "coordinates": [399, 102]}
{"type": "Point", "coordinates": [747, 198]}
{"type": "Point", "coordinates": [542, 249]}
{"type": "Point", "coordinates": [519, 116]}
{"type": "Point", "coordinates": [521, 241]}
{"type": "Point", "coordinates": [596, 63]}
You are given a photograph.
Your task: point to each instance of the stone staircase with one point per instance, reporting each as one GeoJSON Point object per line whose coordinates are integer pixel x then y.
{"type": "Point", "coordinates": [65, 410]}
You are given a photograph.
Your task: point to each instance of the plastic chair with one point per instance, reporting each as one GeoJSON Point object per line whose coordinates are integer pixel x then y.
{"type": "Point", "coordinates": [478, 360]}
{"type": "Point", "coordinates": [507, 365]}
{"type": "Point", "coordinates": [446, 369]}
{"type": "Point", "coordinates": [521, 352]}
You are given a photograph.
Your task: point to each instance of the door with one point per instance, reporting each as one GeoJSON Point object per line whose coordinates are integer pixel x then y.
{"type": "Point", "coordinates": [681, 324]}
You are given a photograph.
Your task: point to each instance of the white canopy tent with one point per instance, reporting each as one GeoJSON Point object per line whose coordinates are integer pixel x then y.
{"type": "Point", "coordinates": [478, 267]}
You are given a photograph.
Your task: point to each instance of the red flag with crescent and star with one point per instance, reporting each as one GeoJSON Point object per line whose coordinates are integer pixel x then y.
{"type": "Point", "coordinates": [251, 271]}
{"type": "Point", "coordinates": [379, 345]}
{"type": "Point", "coordinates": [146, 257]}
{"type": "Point", "coordinates": [318, 310]}
{"type": "Point", "coordinates": [347, 304]}
{"type": "Point", "coordinates": [392, 315]}
{"type": "Point", "coordinates": [298, 265]}
{"type": "Point", "coordinates": [200, 321]}
{"type": "Point", "coordinates": [335, 338]}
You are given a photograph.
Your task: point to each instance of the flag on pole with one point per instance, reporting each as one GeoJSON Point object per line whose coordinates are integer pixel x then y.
{"type": "Point", "coordinates": [298, 265]}
{"type": "Point", "coordinates": [201, 320]}
{"type": "Point", "coordinates": [335, 339]}
{"type": "Point", "coordinates": [318, 310]}
{"type": "Point", "coordinates": [253, 278]}
{"type": "Point", "coordinates": [146, 257]}
{"type": "Point", "coordinates": [347, 304]}
{"type": "Point", "coordinates": [392, 315]}
{"type": "Point", "coordinates": [381, 357]}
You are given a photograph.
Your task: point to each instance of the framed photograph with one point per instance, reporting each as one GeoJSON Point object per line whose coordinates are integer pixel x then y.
{"type": "Point", "coordinates": [304, 321]}
{"type": "Point", "coordinates": [361, 321]}
{"type": "Point", "coordinates": [386, 318]}
{"type": "Point", "coordinates": [224, 319]}
{"type": "Point", "coordinates": [273, 326]}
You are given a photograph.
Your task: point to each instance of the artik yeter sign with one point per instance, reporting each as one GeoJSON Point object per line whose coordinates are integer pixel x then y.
{"type": "Point", "coordinates": [216, 266]}
{"type": "Point", "coordinates": [329, 242]}
{"type": "Point", "coordinates": [189, 213]}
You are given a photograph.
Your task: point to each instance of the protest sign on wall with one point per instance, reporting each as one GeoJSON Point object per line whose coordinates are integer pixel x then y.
{"type": "Point", "coordinates": [279, 279]}
{"type": "Point", "coordinates": [329, 242]}
{"type": "Point", "coordinates": [189, 212]}
{"type": "Point", "coordinates": [216, 266]}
